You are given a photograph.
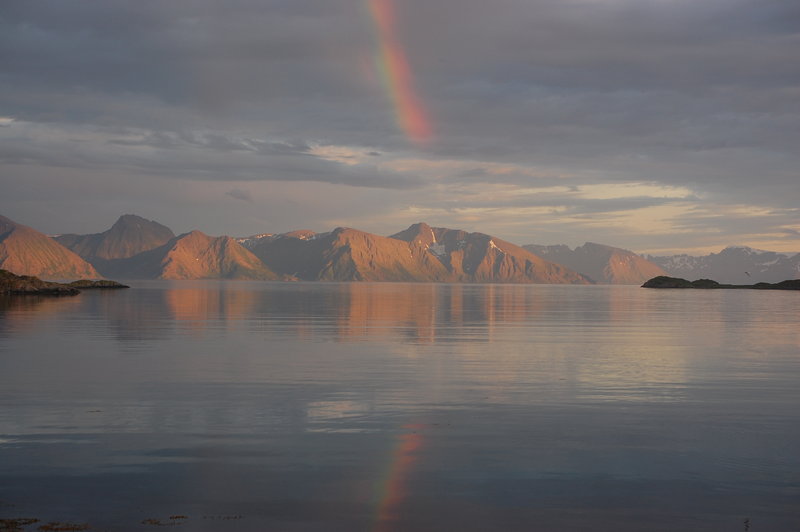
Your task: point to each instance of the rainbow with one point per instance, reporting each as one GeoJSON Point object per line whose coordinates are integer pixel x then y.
{"type": "Point", "coordinates": [396, 74]}
{"type": "Point", "coordinates": [393, 488]}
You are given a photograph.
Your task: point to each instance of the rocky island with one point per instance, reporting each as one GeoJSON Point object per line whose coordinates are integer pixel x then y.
{"type": "Point", "coordinates": [101, 284]}
{"type": "Point", "coordinates": [26, 284]}
{"type": "Point", "coordinates": [662, 281]}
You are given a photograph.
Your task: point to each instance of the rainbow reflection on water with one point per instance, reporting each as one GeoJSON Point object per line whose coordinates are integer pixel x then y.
{"type": "Point", "coordinates": [394, 486]}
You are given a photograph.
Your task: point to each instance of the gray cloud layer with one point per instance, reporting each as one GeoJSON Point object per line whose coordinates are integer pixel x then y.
{"type": "Point", "coordinates": [680, 93]}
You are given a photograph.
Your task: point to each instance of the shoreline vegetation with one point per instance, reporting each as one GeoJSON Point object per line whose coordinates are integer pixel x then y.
{"type": "Point", "coordinates": [28, 285]}
{"type": "Point", "coordinates": [662, 281]}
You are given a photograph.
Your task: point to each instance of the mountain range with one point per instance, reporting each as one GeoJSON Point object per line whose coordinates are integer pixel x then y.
{"type": "Point", "coordinates": [734, 265]}
{"type": "Point", "coordinates": [193, 255]}
{"type": "Point", "coordinates": [419, 253]}
{"type": "Point", "coordinates": [136, 248]}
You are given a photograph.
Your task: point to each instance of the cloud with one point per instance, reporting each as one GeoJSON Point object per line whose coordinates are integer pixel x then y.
{"type": "Point", "coordinates": [211, 140]}
{"type": "Point", "coordinates": [202, 156]}
{"type": "Point", "coordinates": [240, 194]}
{"type": "Point", "coordinates": [691, 98]}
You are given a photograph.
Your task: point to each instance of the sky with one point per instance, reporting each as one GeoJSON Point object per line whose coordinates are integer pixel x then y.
{"type": "Point", "coordinates": [660, 126]}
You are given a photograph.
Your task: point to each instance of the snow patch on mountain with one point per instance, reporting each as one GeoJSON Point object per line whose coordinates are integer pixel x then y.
{"type": "Point", "coordinates": [437, 249]}
{"type": "Point", "coordinates": [249, 242]}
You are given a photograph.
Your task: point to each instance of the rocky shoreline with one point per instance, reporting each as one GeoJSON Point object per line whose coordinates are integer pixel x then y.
{"type": "Point", "coordinates": [13, 284]}
{"type": "Point", "coordinates": [663, 281]}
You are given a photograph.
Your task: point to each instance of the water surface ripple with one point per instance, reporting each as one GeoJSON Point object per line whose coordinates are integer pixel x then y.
{"type": "Point", "coordinates": [251, 406]}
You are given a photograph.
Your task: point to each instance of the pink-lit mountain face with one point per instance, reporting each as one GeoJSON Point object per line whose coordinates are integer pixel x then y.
{"type": "Point", "coordinates": [136, 248]}
{"type": "Point", "coordinates": [25, 251]}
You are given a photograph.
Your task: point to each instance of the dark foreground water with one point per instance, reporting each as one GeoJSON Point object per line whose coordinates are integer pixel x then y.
{"type": "Point", "coordinates": [401, 407]}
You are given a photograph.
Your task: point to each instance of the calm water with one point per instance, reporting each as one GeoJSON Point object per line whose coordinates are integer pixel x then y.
{"type": "Point", "coordinates": [402, 407]}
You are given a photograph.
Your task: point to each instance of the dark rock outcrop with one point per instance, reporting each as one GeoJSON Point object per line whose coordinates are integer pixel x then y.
{"type": "Point", "coordinates": [25, 284]}
{"type": "Point", "coordinates": [102, 284]}
{"type": "Point", "coordinates": [663, 281]}
{"type": "Point", "coordinates": [788, 284]}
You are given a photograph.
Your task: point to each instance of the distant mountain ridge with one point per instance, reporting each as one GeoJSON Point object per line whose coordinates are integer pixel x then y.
{"type": "Point", "coordinates": [136, 248]}
{"type": "Point", "coordinates": [478, 257]}
{"type": "Point", "coordinates": [419, 253]}
{"type": "Point", "coordinates": [734, 264]}
{"type": "Point", "coordinates": [346, 254]}
{"type": "Point", "coordinates": [129, 236]}
{"type": "Point", "coordinates": [193, 255]}
{"type": "Point", "coordinates": [601, 263]}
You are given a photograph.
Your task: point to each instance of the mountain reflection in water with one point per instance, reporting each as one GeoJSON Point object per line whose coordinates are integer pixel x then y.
{"type": "Point", "coordinates": [336, 406]}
